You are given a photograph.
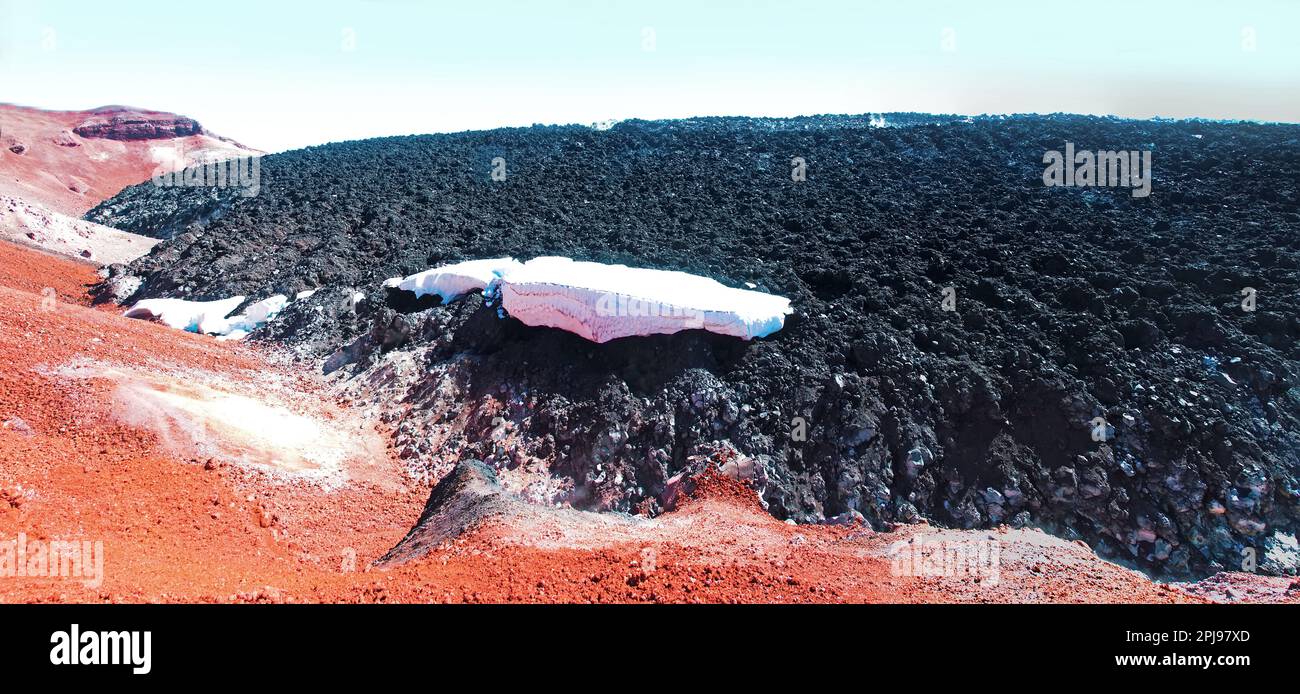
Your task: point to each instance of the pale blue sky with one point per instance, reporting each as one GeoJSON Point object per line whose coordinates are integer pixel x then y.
{"type": "Point", "coordinates": [279, 75]}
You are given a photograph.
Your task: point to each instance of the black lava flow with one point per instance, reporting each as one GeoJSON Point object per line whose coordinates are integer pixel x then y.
{"type": "Point", "coordinates": [1080, 313]}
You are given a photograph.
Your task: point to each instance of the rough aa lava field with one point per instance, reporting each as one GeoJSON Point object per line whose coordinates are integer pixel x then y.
{"type": "Point", "coordinates": [1071, 304]}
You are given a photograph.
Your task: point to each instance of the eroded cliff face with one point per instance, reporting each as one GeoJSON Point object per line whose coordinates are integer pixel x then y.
{"type": "Point", "coordinates": [121, 123]}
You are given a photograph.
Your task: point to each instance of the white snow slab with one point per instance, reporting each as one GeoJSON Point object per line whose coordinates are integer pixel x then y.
{"type": "Point", "coordinates": [211, 317]}
{"type": "Point", "coordinates": [213, 324]}
{"type": "Point", "coordinates": [605, 302]}
{"type": "Point", "coordinates": [185, 315]}
{"type": "Point", "coordinates": [453, 281]}
{"type": "Point", "coordinates": [256, 315]}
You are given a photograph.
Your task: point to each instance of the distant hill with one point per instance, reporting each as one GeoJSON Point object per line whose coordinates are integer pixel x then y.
{"type": "Point", "coordinates": [69, 161]}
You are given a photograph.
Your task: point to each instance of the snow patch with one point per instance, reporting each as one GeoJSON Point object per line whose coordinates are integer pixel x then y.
{"type": "Point", "coordinates": [256, 315]}
{"type": "Point", "coordinates": [211, 317]}
{"type": "Point", "coordinates": [605, 302]}
{"type": "Point", "coordinates": [185, 315]}
{"type": "Point", "coordinates": [450, 282]}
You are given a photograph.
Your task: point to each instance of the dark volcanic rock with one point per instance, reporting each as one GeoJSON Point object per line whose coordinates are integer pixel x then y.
{"type": "Point", "coordinates": [1099, 375]}
{"type": "Point", "coordinates": [464, 498]}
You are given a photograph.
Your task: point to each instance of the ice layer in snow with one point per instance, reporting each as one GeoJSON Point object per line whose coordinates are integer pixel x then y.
{"type": "Point", "coordinates": [605, 302]}
{"type": "Point", "coordinates": [185, 315]}
{"type": "Point", "coordinates": [452, 281]}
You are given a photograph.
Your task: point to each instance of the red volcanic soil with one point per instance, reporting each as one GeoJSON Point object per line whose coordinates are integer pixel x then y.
{"type": "Point", "coordinates": [179, 525]}
{"type": "Point", "coordinates": [70, 161]}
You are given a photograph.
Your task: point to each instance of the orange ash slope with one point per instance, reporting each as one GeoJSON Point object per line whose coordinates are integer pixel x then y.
{"type": "Point", "coordinates": [177, 528]}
